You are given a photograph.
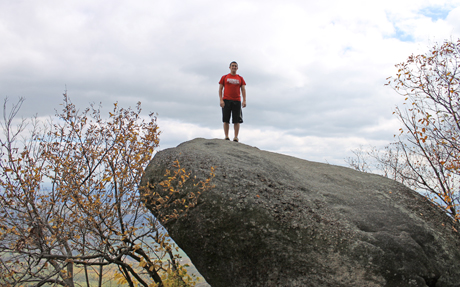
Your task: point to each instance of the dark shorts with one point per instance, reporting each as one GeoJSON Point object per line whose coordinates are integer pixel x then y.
{"type": "Point", "coordinates": [233, 109]}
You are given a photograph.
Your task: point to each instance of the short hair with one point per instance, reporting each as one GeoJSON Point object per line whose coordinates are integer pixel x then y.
{"type": "Point", "coordinates": [234, 62]}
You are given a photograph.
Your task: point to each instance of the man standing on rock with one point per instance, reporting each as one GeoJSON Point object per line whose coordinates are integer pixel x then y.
{"type": "Point", "coordinates": [230, 101]}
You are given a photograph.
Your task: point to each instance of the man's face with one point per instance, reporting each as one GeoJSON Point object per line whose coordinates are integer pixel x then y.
{"type": "Point", "coordinates": [233, 67]}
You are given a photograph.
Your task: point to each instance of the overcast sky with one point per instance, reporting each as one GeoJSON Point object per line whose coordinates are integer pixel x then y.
{"type": "Point", "coordinates": [315, 70]}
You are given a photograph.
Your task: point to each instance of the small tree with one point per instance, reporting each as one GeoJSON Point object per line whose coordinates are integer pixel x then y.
{"type": "Point", "coordinates": [90, 216]}
{"type": "Point", "coordinates": [426, 155]}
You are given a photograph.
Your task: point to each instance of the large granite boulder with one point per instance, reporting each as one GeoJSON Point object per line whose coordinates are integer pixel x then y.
{"type": "Point", "coordinates": [276, 220]}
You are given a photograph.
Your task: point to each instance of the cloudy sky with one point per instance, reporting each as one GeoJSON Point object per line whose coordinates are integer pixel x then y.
{"type": "Point", "coordinates": [315, 70]}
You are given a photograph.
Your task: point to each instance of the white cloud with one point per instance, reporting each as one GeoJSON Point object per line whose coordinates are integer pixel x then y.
{"type": "Point", "coordinates": [315, 70]}
{"type": "Point", "coordinates": [454, 21]}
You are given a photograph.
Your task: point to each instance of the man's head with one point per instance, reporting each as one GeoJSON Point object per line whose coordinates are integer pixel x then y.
{"type": "Point", "coordinates": [233, 67]}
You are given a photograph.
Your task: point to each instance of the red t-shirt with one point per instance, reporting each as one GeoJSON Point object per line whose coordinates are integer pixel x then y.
{"type": "Point", "coordinates": [232, 86]}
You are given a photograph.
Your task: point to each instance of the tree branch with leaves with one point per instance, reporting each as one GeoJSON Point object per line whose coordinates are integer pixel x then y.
{"type": "Point", "coordinates": [70, 202]}
{"type": "Point", "coordinates": [426, 154]}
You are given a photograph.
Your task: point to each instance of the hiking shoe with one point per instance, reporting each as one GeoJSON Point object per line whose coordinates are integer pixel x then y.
{"type": "Point", "coordinates": [235, 139]}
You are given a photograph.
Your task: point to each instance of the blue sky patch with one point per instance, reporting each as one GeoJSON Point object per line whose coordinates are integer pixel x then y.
{"type": "Point", "coordinates": [402, 35]}
{"type": "Point", "coordinates": [435, 13]}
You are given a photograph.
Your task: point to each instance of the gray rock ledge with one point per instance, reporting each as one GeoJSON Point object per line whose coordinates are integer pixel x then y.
{"type": "Point", "coordinates": [276, 220]}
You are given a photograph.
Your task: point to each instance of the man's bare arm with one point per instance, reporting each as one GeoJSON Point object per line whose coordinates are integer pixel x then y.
{"type": "Point", "coordinates": [243, 93]}
{"type": "Point", "coordinates": [221, 87]}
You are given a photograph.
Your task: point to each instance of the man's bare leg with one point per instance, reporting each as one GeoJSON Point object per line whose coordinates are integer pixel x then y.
{"type": "Point", "coordinates": [237, 130]}
{"type": "Point", "coordinates": [226, 129]}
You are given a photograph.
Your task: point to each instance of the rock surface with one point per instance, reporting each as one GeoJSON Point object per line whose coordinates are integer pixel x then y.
{"type": "Point", "coordinates": [276, 220]}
